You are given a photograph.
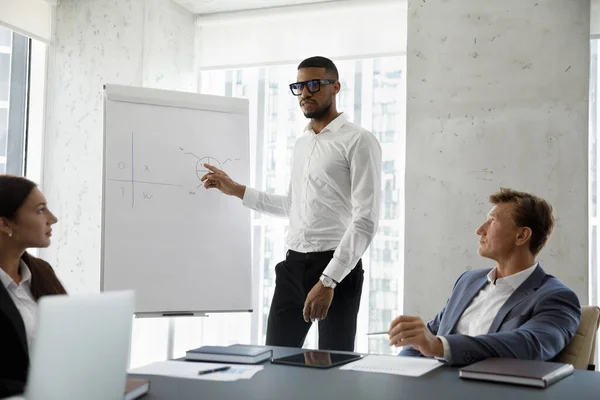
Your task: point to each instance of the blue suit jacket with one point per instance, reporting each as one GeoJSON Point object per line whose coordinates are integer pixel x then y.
{"type": "Point", "coordinates": [537, 321]}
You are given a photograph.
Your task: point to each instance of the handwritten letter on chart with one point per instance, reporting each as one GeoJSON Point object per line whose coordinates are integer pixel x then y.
{"type": "Point", "coordinates": [137, 181]}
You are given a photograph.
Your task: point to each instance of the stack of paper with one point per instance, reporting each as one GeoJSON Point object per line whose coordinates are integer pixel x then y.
{"type": "Point", "coordinates": [407, 366]}
{"type": "Point", "coordinates": [191, 370]}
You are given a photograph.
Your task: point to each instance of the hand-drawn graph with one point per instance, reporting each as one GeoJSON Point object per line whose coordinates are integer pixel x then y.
{"type": "Point", "coordinates": [133, 180]}
{"type": "Point", "coordinates": [201, 170]}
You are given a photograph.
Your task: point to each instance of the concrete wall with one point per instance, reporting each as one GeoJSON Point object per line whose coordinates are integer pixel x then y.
{"type": "Point", "coordinates": [130, 42]}
{"type": "Point", "coordinates": [497, 96]}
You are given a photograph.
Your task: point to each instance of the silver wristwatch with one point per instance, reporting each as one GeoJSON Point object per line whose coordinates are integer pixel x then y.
{"type": "Point", "coordinates": [328, 282]}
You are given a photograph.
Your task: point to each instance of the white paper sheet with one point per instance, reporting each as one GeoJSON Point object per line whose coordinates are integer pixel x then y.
{"type": "Point", "coordinates": [407, 366]}
{"type": "Point", "coordinates": [190, 370]}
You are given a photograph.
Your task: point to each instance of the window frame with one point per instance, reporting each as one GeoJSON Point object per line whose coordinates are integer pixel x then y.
{"type": "Point", "coordinates": [18, 105]}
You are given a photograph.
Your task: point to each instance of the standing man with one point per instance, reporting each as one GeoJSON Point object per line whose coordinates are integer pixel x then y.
{"type": "Point", "coordinates": [333, 207]}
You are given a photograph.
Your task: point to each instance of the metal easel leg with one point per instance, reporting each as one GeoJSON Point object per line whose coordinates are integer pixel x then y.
{"type": "Point", "coordinates": [171, 339]}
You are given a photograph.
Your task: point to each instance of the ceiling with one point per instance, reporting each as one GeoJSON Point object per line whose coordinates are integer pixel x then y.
{"type": "Point", "coordinates": [214, 6]}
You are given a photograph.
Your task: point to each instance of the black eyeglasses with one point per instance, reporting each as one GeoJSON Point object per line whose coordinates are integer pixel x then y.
{"type": "Point", "coordinates": [313, 86]}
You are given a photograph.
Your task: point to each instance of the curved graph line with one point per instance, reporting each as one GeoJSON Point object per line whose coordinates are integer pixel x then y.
{"type": "Point", "coordinates": [200, 168]}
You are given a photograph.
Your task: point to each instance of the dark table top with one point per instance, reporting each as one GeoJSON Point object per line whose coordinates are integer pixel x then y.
{"type": "Point", "coordinates": [290, 382]}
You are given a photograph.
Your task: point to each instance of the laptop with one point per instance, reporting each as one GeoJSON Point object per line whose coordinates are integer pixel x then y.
{"type": "Point", "coordinates": [82, 346]}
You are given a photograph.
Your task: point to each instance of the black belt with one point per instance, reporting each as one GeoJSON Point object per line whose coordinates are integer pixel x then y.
{"type": "Point", "coordinates": [316, 255]}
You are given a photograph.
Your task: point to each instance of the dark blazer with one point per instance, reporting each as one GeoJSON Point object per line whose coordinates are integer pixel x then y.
{"type": "Point", "coordinates": [537, 321]}
{"type": "Point", "coordinates": [14, 359]}
{"type": "Point", "coordinates": [14, 353]}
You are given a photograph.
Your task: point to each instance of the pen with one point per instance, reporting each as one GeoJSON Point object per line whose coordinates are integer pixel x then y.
{"type": "Point", "coordinates": [210, 371]}
{"type": "Point", "coordinates": [378, 333]}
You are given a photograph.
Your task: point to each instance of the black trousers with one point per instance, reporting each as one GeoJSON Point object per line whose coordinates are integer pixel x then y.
{"type": "Point", "coordinates": [295, 277]}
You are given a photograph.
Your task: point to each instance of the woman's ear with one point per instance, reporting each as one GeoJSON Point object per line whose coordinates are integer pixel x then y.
{"type": "Point", "coordinates": [5, 226]}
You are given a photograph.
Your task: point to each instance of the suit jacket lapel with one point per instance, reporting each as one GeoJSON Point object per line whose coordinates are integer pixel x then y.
{"type": "Point", "coordinates": [7, 307]}
{"type": "Point", "coordinates": [465, 299]}
{"type": "Point", "coordinates": [530, 285]}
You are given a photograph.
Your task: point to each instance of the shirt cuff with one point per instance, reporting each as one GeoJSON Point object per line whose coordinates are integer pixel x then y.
{"type": "Point", "coordinates": [447, 353]}
{"type": "Point", "coordinates": [250, 199]}
{"type": "Point", "coordinates": [336, 271]}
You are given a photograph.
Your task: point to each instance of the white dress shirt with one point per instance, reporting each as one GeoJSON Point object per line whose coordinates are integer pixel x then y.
{"type": "Point", "coordinates": [479, 315]}
{"type": "Point", "coordinates": [21, 296]}
{"type": "Point", "coordinates": [334, 194]}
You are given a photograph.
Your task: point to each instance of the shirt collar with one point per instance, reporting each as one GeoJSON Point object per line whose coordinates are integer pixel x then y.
{"type": "Point", "coordinates": [514, 280]}
{"type": "Point", "coordinates": [25, 272]}
{"type": "Point", "coordinates": [25, 275]}
{"type": "Point", "coordinates": [332, 127]}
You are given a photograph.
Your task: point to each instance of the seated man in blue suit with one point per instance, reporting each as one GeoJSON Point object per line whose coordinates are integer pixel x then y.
{"type": "Point", "coordinates": [514, 310]}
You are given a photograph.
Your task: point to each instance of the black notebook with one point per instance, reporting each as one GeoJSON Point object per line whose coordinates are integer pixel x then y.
{"type": "Point", "coordinates": [521, 372]}
{"type": "Point", "coordinates": [237, 353]}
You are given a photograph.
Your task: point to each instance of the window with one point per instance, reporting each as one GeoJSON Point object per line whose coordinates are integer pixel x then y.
{"type": "Point", "coordinates": [14, 81]}
{"type": "Point", "coordinates": [372, 96]}
{"type": "Point", "coordinates": [594, 149]}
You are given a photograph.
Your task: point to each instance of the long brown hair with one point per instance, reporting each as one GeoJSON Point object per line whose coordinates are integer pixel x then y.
{"type": "Point", "coordinates": [14, 191]}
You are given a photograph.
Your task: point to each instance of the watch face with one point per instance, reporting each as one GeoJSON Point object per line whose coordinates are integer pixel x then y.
{"type": "Point", "coordinates": [327, 281]}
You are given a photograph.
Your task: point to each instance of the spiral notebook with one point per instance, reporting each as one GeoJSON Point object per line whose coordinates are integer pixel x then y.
{"type": "Point", "coordinates": [395, 365]}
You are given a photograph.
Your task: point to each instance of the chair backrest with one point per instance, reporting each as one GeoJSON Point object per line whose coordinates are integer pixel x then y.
{"type": "Point", "coordinates": [580, 351]}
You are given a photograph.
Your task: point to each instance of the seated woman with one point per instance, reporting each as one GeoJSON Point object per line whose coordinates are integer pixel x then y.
{"type": "Point", "coordinates": [25, 222]}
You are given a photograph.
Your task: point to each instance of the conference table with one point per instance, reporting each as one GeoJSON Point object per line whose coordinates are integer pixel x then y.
{"type": "Point", "coordinates": [283, 382]}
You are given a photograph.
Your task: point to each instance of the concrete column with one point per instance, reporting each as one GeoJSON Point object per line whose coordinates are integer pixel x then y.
{"type": "Point", "coordinates": [497, 96]}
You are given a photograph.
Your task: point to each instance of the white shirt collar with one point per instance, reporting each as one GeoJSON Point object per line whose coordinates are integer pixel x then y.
{"type": "Point", "coordinates": [25, 275]}
{"type": "Point", "coordinates": [332, 127]}
{"type": "Point", "coordinates": [514, 280]}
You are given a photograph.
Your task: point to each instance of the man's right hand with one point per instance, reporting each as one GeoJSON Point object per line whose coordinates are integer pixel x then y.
{"type": "Point", "coordinates": [220, 180]}
{"type": "Point", "coordinates": [413, 331]}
